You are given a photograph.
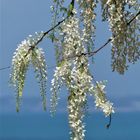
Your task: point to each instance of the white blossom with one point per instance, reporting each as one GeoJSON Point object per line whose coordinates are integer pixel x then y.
{"type": "Point", "coordinates": [87, 16]}
{"type": "Point", "coordinates": [27, 53]}
{"type": "Point", "coordinates": [73, 71]}
{"type": "Point", "coordinates": [125, 35]}
{"type": "Point", "coordinates": [101, 101]}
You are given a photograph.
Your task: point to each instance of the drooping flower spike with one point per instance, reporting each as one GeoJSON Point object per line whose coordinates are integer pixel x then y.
{"type": "Point", "coordinates": [25, 55]}
{"type": "Point", "coordinates": [74, 74]}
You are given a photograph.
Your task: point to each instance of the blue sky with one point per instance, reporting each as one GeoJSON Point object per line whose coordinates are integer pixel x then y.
{"type": "Point", "coordinates": [19, 18]}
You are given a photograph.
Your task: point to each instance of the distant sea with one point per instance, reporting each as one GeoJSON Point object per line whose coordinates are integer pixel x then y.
{"type": "Point", "coordinates": [33, 126]}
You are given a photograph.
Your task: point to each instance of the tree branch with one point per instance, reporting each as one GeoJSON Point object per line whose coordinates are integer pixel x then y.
{"type": "Point", "coordinates": [5, 68]}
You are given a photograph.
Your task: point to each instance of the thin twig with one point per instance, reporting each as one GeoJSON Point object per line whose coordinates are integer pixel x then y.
{"type": "Point", "coordinates": [109, 124]}
{"type": "Point", "coordinates": [133, 18]}
{"type": "Point", "coordinates": [5, 68]}
{"type": "Point", "coordinates": [96, 51]}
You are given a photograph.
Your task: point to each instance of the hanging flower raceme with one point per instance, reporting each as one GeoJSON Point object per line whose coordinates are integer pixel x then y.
{"type": "Point", "coordinates": [118, 25]}
{"type": "Point", "coordinates": [73, 72]}
{"type": "Point", "coordinates": [100, 99]}
{"type": "Point", "coordinates": [125, 37]}
{"type": "Point", "coordinates": [27, 53]}
{"type": "Point", "coordinates": [87, 16]}
{"type": "Point", "coordinates": [80, 82]}
{"type": "Point", "coordinates": [69, 73]}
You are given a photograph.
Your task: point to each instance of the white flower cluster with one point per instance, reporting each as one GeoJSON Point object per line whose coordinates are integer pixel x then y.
{"type": "Point", "coordinates": [39, 63]}
{"type": "Point", "coordinates": [73, 71]}
{"type": "Point", "coordinates": [118, 25]}
{"type": "Point", "coordinates": [23, 56]}
{"type": "Point", "coordinates": [87, 16]}
{"type": "Point", "coordinates": [125, 37]}
{"type": "Point", "coordinates": [100, 99]}
{"type": "Point", "coordinates": [19, 68]}
{"type": "Point", "coordinates": [70, 73]}
{"type": "Point", "coordinates": [75, 107]}
{"type": "Point", "coordinates": [79, 86]}
{"type": "Point", "coordinates": [59, 77]}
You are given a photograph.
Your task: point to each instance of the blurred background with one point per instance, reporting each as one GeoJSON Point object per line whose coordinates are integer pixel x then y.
{"type": "Point", "coordinates": [20, 18]}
